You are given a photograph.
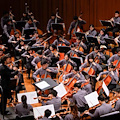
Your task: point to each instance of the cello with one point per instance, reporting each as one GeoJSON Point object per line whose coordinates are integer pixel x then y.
{"type": "Point", "coordinates": [66, 69]}
{"type": "Point", "coordinates": [116, 63]}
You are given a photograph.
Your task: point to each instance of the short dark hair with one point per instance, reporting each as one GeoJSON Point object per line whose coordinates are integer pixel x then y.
{"type": "Point", "coordinates": [47, 113]}
{"type": "Point", "coordinates": [91, 25]}
{"type": "Point", "coordinates": [4, 58]}
{"type": "Point", "coordinates": [43, 62]}
{"type": "Point", "coordinates": [40, 36]}
{"type": "Point", "coordinates": [75, 18]}
{"type": "Point", "coordinates": [53, 92]}
{"type": "Point", "coordinates": [117, 12]}
{"type": "Point", "coordinates": [39, 52]}
{"type": "Point", "coordinates": [53, 46]}
{"type": "Point", "coordinates": [77, 85]}
{"type": "Point", "coordinates": [73, 45]}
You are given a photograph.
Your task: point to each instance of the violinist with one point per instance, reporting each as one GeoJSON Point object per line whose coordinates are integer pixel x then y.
{"type": "Point", "coordinates": [44, 71]}
{"type": "Point", "coordinates": [92, 31]}
{"type": "Point", "coordinates": [101, 37]}
{"type": "Point", "coordinates": [74, 52]}
{"type": "Point", "coordinates": [56, 101]}
{"type": "Point", "coordinates": [29, 57]}
{"type": "Point", "coordinates": [20, 49]}
{"type": "Point", "coordinates": [61, 41]}
{"type": "Point", "coordinates": [74, 113]}
{"type": "Point", "coordinates": [103, 109]}
{"type": "Point", "coordinates": [113, 73]}
{"type": "Point", "coordinates": [117, 103]}
{"type": "Point", "coordinates": [38, 59]}
{"type": "Point", "coordinates": [35, 36]}
{"type": "Point", "coordinates": [65, 61]}
{"type": "Point", "coordinates": [6, 73]}
{"type": "Point", "coordinates": [73, 24]}
{"type": "Point", "coordinates": [78, 98]}
{"type": "Point", "coordinates": [114, 20]}
{"type": "Point", "coordinates": [97, 54]}
{"type": "Point", "coordinates": [1, 53]}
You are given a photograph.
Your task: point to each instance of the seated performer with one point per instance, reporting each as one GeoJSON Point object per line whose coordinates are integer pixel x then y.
{"type": "Point", "coordinates": [56, 101]}
{"type": "Point", "coordinates": [23, 108]}
{"type": "Point", "coordinates": [44, 71]}
{"type": "Point", "coordinates": [114, 20]}
{"type": "Point", "coordinates": [102, 110]}
{"type": "Point", "coordinates": [78, 98]}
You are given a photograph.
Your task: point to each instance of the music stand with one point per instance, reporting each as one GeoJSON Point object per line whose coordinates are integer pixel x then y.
{"type": "Point", "coordinates": [20, 24]}
{"type": "Point", "coordinates": [63, 49]}
{"type": "Point", "coordinates": [80, 34]}
{"type": "Point", "coordinates": [77, 61]}
{"type": "Point", "coordinates": [92, 40]}
{"type": "Point", "coordinates": [36, 48]}
{"type": "Point", "coordinates": [117, 25]}
{"type": "Point", "coordinates": [49, 81]}
{"type": "Point", "coordinates": [57, 26]}
{"type": "Point", "coordinates": [110, 41]}
{"type": "Point", "coordinates": [106, 23]}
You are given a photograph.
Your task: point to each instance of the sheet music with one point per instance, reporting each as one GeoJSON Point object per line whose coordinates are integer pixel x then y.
{"type": "Point", "coordinates": [105, 89]}
{"type": "Point", "coordinates": [39, 111]}
{"type": "Point", "coordinates": [42, 85]}
{"type": "Point", "coordinates": [30, 97]}
{"type": "Point", "coordinates": [61, 90]}
{"type": "Point", "coordinates": [92, 99]}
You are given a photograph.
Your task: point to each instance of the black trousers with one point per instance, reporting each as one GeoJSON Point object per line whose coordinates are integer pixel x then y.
{"type": "Point", "coordinates": [6, 94]}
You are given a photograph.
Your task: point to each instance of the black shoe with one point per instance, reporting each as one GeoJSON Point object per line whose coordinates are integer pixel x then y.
{"type": "Point", "coordinates": [7, 113]}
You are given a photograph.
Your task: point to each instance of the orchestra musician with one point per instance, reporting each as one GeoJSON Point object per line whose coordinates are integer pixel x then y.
{"type": "Point", "coordinates": [54, 99]}
{"type": "Point", "coordinates": [44, 70]}
{"type": "Point", "coordinates": [114, 20]}
{"type": "Point", "coordinates": [101, 110]}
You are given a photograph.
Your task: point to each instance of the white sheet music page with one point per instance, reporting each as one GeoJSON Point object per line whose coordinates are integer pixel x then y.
{"type": "Point", "coordinates": [92, 99]}
{"type": "Point", "coordinates": [61, 90]}
{"type": "Point", "coordinates": [105, 88]}
{"type": "Point", "coordinates": [42, 85]}
{"type": "Point", "coordinates": [30, 97]}
{"type": "Point", "coordinates": [39, 111]}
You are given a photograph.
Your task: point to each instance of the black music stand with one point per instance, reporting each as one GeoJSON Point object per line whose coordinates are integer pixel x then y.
{"type": "Point", "coordinates": [50, 81]}
{"type": "Point", "coordinates": [110, 41]}
{"type": "Point", "coordinates": [106, 23]}
{"type": "Point", "coordinates": [28, 31]}
{"type": "Point", "coordinates": [117, 25]}
{"type": "Point", "coordinates": [29, 42]}
{"type": "Point", "coordinates": [63, 49]}
{"type": "Point", "coordinates": [92, 40]}
{"type": "Point", "coordinates": [57, 26]}
{"type": "Point", "coordinates": [77, 61]}
{"type": "Point", "coordinates": [20, 24]}
{"type": "Point", "coordinates": [80, 34]}
{"type": "Point", "coordinates": [36, 48]}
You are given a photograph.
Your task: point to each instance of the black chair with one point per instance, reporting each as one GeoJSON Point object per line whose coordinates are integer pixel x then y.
{"type": "Point", "coordinates": [25, 117]}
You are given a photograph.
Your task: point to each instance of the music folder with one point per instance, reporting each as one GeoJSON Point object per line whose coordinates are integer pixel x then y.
{"type": "Point", "coordinates": [110, 41]}
{"type": "Point", "coordinates": [106, 23]}
{"type": "Point", "coordinates": [39, 111]}
{"type": "Point", "coordinates": [63, 49]}
{"type": "Point", "coordinates": [92, 99]}
{"type": "Point", "coordinates": [45, 84]}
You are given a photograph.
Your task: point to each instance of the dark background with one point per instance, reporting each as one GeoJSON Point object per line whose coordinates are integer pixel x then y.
{"type": "Point", "coordinates": [93, 10]}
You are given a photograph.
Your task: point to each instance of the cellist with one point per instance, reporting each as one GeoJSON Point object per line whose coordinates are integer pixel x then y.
{"type": "Point", "coordinates": [115, 57]}
{"type": "Point", "coordinates": [113, 73]}
{"type": "Point", "coordinates": [44, 70]}
{"type": "Point", "coordinates": [60, 41]}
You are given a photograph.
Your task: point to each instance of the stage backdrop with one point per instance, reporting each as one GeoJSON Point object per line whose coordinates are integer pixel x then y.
{"type": "Point", "coordinates": [93, 10]}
